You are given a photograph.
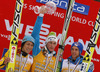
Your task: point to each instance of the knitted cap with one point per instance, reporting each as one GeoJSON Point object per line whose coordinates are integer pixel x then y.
{"type": "Point", "coordinates": [79, 45]}
{"type": "Point", "coordinates": [51, 37]}
{"type": "Point", "coordinates": [28, 38]}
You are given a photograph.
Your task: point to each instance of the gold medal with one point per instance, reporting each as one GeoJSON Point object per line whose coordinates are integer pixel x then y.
{"type": "Point", "coordinates": [45, 70]}
{"type": "Point", "coordinates": [10, 70]}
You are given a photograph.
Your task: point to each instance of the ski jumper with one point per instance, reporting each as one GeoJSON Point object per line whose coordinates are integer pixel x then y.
{"type": "Point", "coordinates": [72, 64]}
{"type": "Point", "coordinates": [24, 63]}
{"type": "Point", "coordinates": [41, 62]}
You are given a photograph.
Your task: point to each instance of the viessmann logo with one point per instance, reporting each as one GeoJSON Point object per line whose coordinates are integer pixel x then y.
{"type": "Point", "coordinates": [79, 8]}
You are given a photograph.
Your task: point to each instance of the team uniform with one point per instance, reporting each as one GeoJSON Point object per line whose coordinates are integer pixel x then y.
{"type": "Point", "coordinates": [70, 65]}
{"type": "Point", "coordinates": [24, 63]}
{"type": "Point", "coordinates": [41, 62]}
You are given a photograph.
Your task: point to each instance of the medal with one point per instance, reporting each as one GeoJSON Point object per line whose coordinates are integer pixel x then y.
{"type": "Point", "coordinates": [10, 70]}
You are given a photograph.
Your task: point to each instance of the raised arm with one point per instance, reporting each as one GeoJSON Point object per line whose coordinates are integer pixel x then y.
{"type": "Point", "coordinates": [36, 31]}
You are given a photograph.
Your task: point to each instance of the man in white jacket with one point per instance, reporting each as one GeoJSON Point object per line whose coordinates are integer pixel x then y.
{"type": "Point", "coordinates": [73, 63]}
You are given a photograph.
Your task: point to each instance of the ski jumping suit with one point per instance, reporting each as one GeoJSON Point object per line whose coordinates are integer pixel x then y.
{"type": "Point", "coordinates": [69, 64]}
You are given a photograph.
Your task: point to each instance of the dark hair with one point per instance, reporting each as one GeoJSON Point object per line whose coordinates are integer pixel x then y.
{"type": "Point", "coordinates": [22, 45]}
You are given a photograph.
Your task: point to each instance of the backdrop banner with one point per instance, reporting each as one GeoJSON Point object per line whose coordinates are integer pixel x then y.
{"type": "Point", "coordinates": [80, 29]}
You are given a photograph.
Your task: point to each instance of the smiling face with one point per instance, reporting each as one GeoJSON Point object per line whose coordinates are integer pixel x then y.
{"type": "Point", "coordinates": [74, 52]}
{"type": "Point", "coordinates": [51, 45]}
{"type": "Point", "coordinates": [28, 46]}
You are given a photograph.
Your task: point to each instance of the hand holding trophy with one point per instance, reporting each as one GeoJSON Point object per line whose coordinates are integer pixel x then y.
{"type": "Point", "coordinates": [49, 8]}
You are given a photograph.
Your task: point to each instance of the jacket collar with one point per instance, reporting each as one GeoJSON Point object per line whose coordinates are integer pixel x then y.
{"type": "Point", "coordinates": [77, 59]}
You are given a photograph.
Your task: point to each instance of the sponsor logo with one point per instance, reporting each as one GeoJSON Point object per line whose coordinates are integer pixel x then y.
{"type": "Point", "coordinates": [17, 18]}
{"type": "Point", "coordinates": [45, 29]}
{"type": "Point", "coordinates": [92, 44]}
{"type": "Point", "coordinates": [83, 68]}
{"type": "Point", "coordinates": [30, 57]}
{"type": "Point", "coordinates": [13, 54]}
{"type": "Point", "coordinates": [79, 8]}
{"type": "Point", "coordinates": [95, 34]}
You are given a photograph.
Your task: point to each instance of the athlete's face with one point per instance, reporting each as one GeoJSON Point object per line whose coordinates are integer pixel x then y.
{"type": "Point", "coordinates": [74, 52]}
{"type": "Point", "coordinates": [51, 45]}
{"type": "Point", "coordinates": [28, 46]}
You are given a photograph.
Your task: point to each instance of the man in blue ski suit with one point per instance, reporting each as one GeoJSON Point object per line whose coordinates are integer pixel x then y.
{"type": "Point", "coordinates": [73, 63]}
